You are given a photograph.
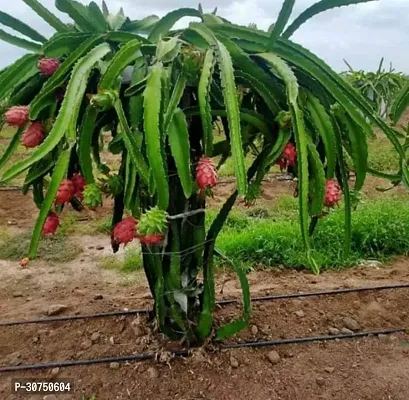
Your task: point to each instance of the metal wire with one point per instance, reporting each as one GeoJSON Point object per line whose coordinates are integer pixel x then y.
{"type": "Point", "coordinates": [221, 302]}
{"type": "Point", "coordinates": [185, 353]}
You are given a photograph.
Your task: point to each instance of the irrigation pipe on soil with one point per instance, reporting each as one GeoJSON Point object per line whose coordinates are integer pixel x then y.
{"type": "Point", "coordinates": [185, 353]}
{"type": "Point", "coordinates": [321, 293]}
{"type": "Point", "coordinates": [221, 302]}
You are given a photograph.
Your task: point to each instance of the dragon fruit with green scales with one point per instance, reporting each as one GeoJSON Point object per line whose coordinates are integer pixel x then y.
{"type": "Point", "coordinates": [92, 196]}
{"type": "Point", "coordinates": [152, 226]}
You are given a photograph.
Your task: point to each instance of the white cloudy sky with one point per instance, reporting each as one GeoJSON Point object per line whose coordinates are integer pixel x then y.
{"type": "Point", "coordinates": [360, 33]}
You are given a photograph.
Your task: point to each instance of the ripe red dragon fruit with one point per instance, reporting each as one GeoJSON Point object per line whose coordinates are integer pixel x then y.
{"type": "Point", "coordinates": [51, 224]}
{"type": "Point", "coordinates": [33, 135]}
{"type": "Point", "coordinates": [65, 192]}
{"type": "Point", "coordinates": [288, 157]}
{"type": "Point", "coordinates": [79, 185]}
{"type": "Point", "coordinates": [151, 240]}
{"type": "Point", "coordinates": [48, 66]}
{"type": "Point", "coordinates": [206, 175]}
{"type": "Point", "coordinates": [125, 231]}
{"type": "Point", "coordinates": [16, 116]}
{"type": "Point", "coordinates": [333, 193]}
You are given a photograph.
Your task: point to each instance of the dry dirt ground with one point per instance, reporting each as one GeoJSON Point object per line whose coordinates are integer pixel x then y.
{"type": "Point", "coordinates": [374, 368]}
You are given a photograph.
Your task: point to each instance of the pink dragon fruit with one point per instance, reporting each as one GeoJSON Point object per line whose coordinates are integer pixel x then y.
{"type": "Point", "coordinates": [33, 135]}
{"type": "Point", "coordinates": [206, 175]}
{"type": "Point", "coordinates": [48, 66]}
{"type": "Point", "coordinates": [333, 193]}
{"type": "Point", "coordinates": [288, 157]}
{"type": "Point", "coordinates": [79, 185]}
{"type": "Point", "coordinates": [51, 224]}
{"type": "Point", "coordinates": [125, 231]}
{"type": "Point", "coordinates": [16, 116]}
{"type": "Point", "coordinates": [65, 192]}
{"type": "Point", "coordinates": [151, 240]}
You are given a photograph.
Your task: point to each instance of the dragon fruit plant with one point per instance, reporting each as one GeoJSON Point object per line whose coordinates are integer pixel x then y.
{"type": "Point", "coordinates": [158, 91]}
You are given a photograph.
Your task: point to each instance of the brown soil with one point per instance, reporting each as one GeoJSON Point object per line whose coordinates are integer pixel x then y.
{"type": "Point", "coordinates": [372, 368]}
{"type": "Point", "coordinates": [375, 368]}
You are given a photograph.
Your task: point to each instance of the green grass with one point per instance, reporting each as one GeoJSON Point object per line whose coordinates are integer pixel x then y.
{"type": "Point", "coordinates": [56, 248]}
{"type": "Point", "coordinates": [380, 230]}
{"type": "Point", "coordinates": [382, 155]}
{"type": "Point", "coordinates": [228, 168]}
{"type": "Point", "coordinates": [71, 225]}
{"type": "Point", "coordinates": [7, 132]}
{"type": "Point", "coordinates": [132, 261]}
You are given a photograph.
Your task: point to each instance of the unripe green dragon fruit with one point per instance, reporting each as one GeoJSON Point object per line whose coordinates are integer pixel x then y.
{"type": "Point", "coordinates": [104, 100]}
{"type": "Point", "coordinates": [152, 222]}
{"type": "Point", "coordinates": [192, 62]}
{"type": "Point", "coordinates": [284, 119]}
{"type": "Point", "coordinates": [92, 196]}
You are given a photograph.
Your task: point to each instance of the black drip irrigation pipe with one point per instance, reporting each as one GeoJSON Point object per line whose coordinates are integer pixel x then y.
{"type": "Point", "coordinates": [73, 317]}
{"type": "Point", "coordinates": [221, 303]}
{"type": "Point", "coordinates": [321, 293]}
{"type": "Point", "coordinates": [185, 353]}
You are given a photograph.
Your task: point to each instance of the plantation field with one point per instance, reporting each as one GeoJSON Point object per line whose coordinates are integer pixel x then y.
{"type": "Point", "coordinates": [210, 211]}
{"type": "Point", "coordinates": [76, 269]}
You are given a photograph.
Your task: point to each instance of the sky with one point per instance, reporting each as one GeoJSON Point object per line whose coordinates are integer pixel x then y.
{"type": "Point", "coordinates": [362, 33]}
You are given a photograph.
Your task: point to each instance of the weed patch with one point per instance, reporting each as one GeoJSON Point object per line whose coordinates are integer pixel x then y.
{"type": "Point", "coordinates": [58, 248]}
{"type": "Point", "coordinates": [131, 261]}
{"type": "Point", "coordinates": [380, 230]}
